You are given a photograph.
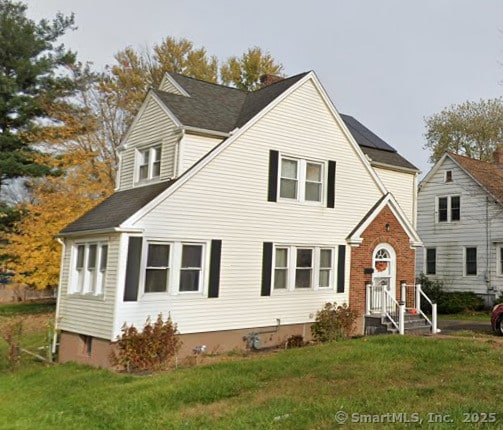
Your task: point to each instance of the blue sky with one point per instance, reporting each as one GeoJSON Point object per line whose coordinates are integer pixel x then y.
{"type": "Point", "coordinates": [389, 63]}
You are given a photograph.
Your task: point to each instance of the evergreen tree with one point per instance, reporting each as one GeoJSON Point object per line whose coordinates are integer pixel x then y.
{"type": "Point", "coordinates": [32, 80]}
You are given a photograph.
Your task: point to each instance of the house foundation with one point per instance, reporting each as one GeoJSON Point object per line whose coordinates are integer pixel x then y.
{"type": "Point", "coordinates": [97, 352]}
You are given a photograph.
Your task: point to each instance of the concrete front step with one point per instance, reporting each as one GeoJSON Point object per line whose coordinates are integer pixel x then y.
{"type": "Point", "coordinates": [414, 324]}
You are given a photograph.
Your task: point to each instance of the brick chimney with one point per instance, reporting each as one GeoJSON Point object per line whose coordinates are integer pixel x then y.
{"type": "Point", "coordinates": [498, 156]}
{"type": "Point", "coordinates": [266, 80]}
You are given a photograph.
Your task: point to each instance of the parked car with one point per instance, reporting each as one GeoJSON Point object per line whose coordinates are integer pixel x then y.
{"type": "Point", "coordinates": [497, 319]}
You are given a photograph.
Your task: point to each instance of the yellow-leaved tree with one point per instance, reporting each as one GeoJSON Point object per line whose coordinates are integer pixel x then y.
{"type": "Point", "coordinates": [34, 255]}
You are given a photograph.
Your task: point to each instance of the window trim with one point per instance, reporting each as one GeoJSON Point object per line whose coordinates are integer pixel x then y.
{"type": "Point", "coordinates": [315, 268]}
{"type": "Point", "coordinates": [152, 151]}
{"type": "Point", "coordinates": [465, 261]}
{"type": "Point", "coordinates": [302, 180]}
{"type": "Point", "coordinates": [449, 209]}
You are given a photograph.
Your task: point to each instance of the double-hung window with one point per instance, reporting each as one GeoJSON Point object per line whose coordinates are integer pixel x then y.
{"type": "Point", "coordinates": [191, 268]}
{"type": "Point", "coordinates": [157, 269]}
{"type": "Point", "coordinates": [449, 208]}
{"type": "Point", "coordinates": [431, 261]}
{"type": "Point", "coordinates": [90, 268]}
{"type": "Point", "coordinates": [301, 180]}
{"type": "Point", "coordinates": [174, 267]}
{"type": "Point", "coordinates": [149, 163]}
{"type": "Point", "coordinates": [326, 267]}
{"type": "Point", "coordinates": [303, 268]}
{"type": "Point", "coordinates": [281, 269]}
{"type": "Point", "coordinates": [470, 261]}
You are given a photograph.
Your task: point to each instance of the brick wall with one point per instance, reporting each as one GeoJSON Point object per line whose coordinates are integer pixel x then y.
{"type": "Point", "coordinates": [361, 258]}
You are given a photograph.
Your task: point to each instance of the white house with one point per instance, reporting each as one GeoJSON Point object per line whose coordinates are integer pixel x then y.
{"type": "Point", "coordinates": [236, 213]}
{"type": "Point", "coordinates": [460, 220]}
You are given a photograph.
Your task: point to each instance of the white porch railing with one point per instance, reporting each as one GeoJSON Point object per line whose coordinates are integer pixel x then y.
{"type": "Point", "coordinates": [380, 300]}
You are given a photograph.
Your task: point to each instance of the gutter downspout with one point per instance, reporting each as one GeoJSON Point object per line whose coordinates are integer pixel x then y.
{"type": "Point", "coordinates": [178, 153]}
{"type": "Point", "coordinates": [58, 301]}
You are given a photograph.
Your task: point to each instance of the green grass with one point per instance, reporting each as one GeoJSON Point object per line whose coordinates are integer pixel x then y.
{"type": "Point", "coordinates": [27, 308]}
{"type": "Point", "coordinates": [295, 389]}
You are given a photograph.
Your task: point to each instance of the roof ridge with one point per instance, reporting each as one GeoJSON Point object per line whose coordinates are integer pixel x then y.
{"type": "Point", "coordinates": [208, 82]}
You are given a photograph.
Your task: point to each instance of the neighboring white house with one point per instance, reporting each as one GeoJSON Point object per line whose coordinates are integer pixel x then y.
{"type": "Point", "coordinates": [236, 213]}
{"type": "Point", "coordinates": [460, 220]}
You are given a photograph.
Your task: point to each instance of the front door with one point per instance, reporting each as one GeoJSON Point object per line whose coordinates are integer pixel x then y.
{"type": "Point", "coordinates": [383, 277]}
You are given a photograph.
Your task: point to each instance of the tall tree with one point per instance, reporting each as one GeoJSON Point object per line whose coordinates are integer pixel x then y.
{"type": "Point", "coordinates": [32, 254]}
{"type": "Point", "coordinates": [245, 72]}
{"type": "Point", "coordinates": [123, 86]}
{"type": "Point", "coordinates": [30, 81]}
{"type": "Point", "coordinates": [474, 129]}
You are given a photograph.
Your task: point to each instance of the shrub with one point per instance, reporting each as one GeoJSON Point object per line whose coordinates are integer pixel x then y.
{"type": "Point", "coordinates": [334, 322]}
{"type": "Point", "coordinates": [295, 341]}
{"type": "Point", "coordinates": [12, 333]}
{"type": "Point", "coordinates": [448, 302]}
{"type": "Point", "coordinates": [149, 349]}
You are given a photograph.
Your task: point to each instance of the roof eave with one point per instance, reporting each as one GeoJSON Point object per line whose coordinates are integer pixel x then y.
{"type": "Point", "coordinates": [99, 232]}
{"type": "Point", "coordinates": [394, 167]}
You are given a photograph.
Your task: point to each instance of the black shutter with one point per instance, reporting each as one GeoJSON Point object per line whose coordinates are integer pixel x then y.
{"type": "Point", "coordinates": [272, 192]}
{"type": "Point", "coordinates": [266, 269]}
{"type": "Point", "coordinates": [216, 251]}
{"type": "Point", "coordinates": [133, 269]}
{"type": "Point", "coordinates": [341, 268]}
{"type": "Point", "coordinates": [331, 185]}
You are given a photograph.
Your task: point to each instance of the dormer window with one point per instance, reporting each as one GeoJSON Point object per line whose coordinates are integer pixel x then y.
{"type": "Point", "coordinates": [149, 163]}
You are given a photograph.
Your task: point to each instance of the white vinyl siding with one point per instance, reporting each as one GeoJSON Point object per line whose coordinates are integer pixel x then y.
{"type": "Point", "coordinates": [152, 126]}
{"type": "Point", "coordinates": [192, 148]}
{"type": "Point", "coordinates": [89, 314]}
{"type": "Point", "coordinates": [403, 187]}
{"type": "Point", "coordinates": [480, 226]}
{"type": "Point", "coordinates": [227, 200]}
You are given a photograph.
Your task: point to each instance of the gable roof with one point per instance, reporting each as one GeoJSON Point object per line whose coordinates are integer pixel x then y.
{"type": "Point", "coordinates": [488, 175]}
{"type": "Point", "coordinates": [355, 237]}
{"type": "Point", "coordinates": [216, 110]}
{"type": "Point", "coordinates": [215, 107]}
{"type": "Point", "coordinates": [112, 211]}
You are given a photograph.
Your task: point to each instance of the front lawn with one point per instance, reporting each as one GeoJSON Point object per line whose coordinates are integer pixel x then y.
{"type": "Point", "coordinates": [440, 381]}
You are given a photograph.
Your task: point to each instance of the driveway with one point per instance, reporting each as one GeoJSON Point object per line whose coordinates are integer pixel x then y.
{"type": "Point", "coordinates": [453, 326]}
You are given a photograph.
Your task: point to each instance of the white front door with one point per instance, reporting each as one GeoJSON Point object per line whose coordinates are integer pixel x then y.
{"type": "Point", "coordinates": [384, 275]}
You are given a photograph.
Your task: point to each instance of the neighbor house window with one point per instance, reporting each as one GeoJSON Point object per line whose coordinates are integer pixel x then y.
{"type": "Point", "coordinates": [449, 208]}
{"type": "Point", "coordinates": [303, 268]}
{"type": "Point", "coordinates": [470, 261]}
{"type": "Point", "coordinates": [500, 260]}
{"type": "Point", "coordinates": [190, 271]}
{"type": "Point", "coordinates": [149, 164]}
{"type": "Point", "coordinates": [431, 261]}
{"type": "Point", "coordinates": [301, 180]}
{"type": "Point", "coordinates": [90, 268]}
{"type": "Point", "coordinates": [157, 269]}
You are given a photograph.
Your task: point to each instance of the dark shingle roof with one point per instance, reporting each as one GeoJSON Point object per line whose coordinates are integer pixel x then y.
{"type": "Point", "coordinates": [487, 174]}
{"type": "Point", "coordinates": [373, 146]}
{"type": "Point", "coordinates": [218, 108]}
{"type": "Point", "coordinates": [117, 208]}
